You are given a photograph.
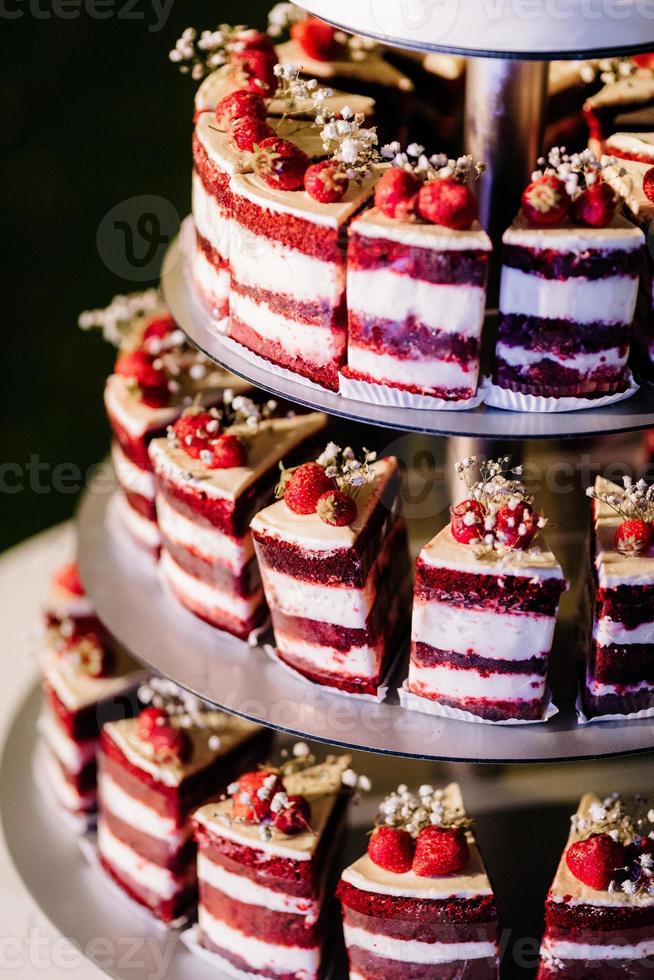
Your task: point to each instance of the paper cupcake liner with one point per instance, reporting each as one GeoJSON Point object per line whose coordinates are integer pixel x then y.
{"type": "Point", "coordinates": [583, 719]}
{"type": "Point", "coordinates": [377, 698]}
{"type": "Point", "coordinates": [380, 394]}
{"type": "Point", "coordinates": [515, 401]}
{"type": "Point", "coordinates": [412, 702]}
{"type": "Point", "coordinates": [191, 939]}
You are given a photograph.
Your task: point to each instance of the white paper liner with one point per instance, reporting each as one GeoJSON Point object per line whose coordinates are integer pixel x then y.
{"type": "Point", "coordinates": [77, 823]}
{"type": "Point", "coordinates": [381, 394]}
{"type": "Point", "coordinates": [413, 702]}
{"type": "Point", "coordinates": [582, 718]}
{"type": "Point", "coordinates": [89, 848]}
{"type": "Point", "coordinates": [515, 401]}
{"type": "Point", "coordinates": [191, 939]}
{"type": "Point", "coordinates": [377, 698]}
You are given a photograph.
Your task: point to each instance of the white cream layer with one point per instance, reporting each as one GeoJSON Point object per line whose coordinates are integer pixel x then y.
{"type": "Point", "coordinates": [362, 662]}
{"type": "Point", "coordinates": [424, 372]}
{"type": "Point", "coordinates": [456, 308]}
{"type": "Point", "coordinates": [620, 235]}
{"type": "Point", "coordinates": [414, 951]}
{"type": "Point", "coordinates": [208, 542]}
{"type": "Point", "coordinates": [260, 955]}
{"type": "Point", "coordinates": [314, 344]}
{"type": "Point", "coordinates": [211, 598]}
{"type": "Point", "coordinates": [131, 477]}
{"type": "Point", "coordinates": [583, 363]}
{"type": "Point", "coordinates": [451, 682]}
{"type": "Point", "coordinates": [607, 631]}
{"type": "Point", "coordinates": [212, 283]}
{"type": "Point", "coordinates": [626, 178]}
{"type": "Point", "coordinates": [611, 299]}
{"type": "Point", "coordinates": [134, 813]}
{"type": "Point", "coordinates": [562, 949]}
{"type": "Point", "coordinates": [151, 877]}
{"type": "Point", "coordinates": [247, 890]}
{"type": "Point", "coordinates": [73, 756]}
{"type": "Point", "coordinates": [498, 636]}
{"type": "Point", "coordinates": [65, 793]}
{"type": "Point", "coordinates": [339, 605]}
{"type": "Point", "coordinates": [211, 222]}
{"type": "Point", "coordinates": [142, 529]}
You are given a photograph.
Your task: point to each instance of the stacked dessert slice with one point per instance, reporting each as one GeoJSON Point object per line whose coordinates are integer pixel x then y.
{"type": "Point", "coordinates": [155, 771]}
{"type": "Point", "coordinates": [87, 680]}
{"type": "Point", "coordinates": [335, 567]}
{"type": "Point", "coordinates": [419, 904]}
{"type": "Point", "coordinates": [486, 598]}
{"type": "Point", "coordinates": [213, 472]}
{"type": "Point", "coordinates": [619, 669]}
{"type": "Point", "coordinates": [600, 908]}
{"type": "Point", "coordinates": [569, 285]}
{"type": "Point", "coordinates": [416, 281]}
{"type": "Point", "coordinates": [625, 101]}
{"type": "Point", "coordinates": [266, 856]}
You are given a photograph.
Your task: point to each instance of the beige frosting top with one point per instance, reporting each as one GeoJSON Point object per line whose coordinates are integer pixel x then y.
{"type": "Point", "coordinates": [536, 562]}
{"type": "Point", "coordinates": [614, 568]}
{"type": "Point", "coordinates": [219, 734]}
{"type": "Point", "coordinates": [267, 445]}
{"type": "Point", "coordinates": [619, 234]}
{"type": "Point", "coordinates": [77, 690]}
{"type": "Point", "coordinates": [302, 205]}
{"type": "Point", "coordinates": [368, 876]}
{"type": "Point", "coordinates": [373, 68]}
{"type": "Point", "coordinates": [638, 87]}
{"type": "Point", "coordinates": [320, 784]}
{"type": "Point", "coordinates": [626, 179]}
{"type": "Point", "coordinates": [310, 531]}
{"type": "Point", "coordinates": [227, 156]}
{"type": "Point", "coordinates": [566, 887]}
{"type": "Point", "coordinates": [374, 224]}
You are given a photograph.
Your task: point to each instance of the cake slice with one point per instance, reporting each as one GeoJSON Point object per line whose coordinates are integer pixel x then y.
{"type": "Point", "coordinates": [619, 669]}
{"type": "Point", "coordinates": [419, 904]}
{"type": "Point", "coordinates": [416, 288]}
{"type": "Point", "coordinates": [486, 597]}
{"type": "Point", "coordinates": [599, 913]}
{"type": "Point", "coordinates": [627, 94]}
{"type": "Point", "coordinates": [88, 679]}
{"type": "Point", "coordinates": [155, 771]}
{"type": "Point", "coordinates": [213, 473]}
{"type": "Point", "coordinates": [266, 859]}
{"type": "Point", "coordinates": [335, 567]}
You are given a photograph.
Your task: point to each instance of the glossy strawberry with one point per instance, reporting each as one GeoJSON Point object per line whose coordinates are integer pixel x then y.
{"type": "Point", "coordinates": [467, 521]}
{"type": "Point", "coordinates": [325, 182]}
{"type": "Point", "coordinates": [595, 206]}
{"type": "Point", "coordinates": [392, 849]}
{"type": "Point", "coordinates": [170, 744]}
{"type": "Point", "coordinates": [448, 202]}
{"type": "Point", "coordinates": [594, 861]}
{"type": "Point", "coordinates": [305, 487]}
{"type": "Point", "coordinates": [648, 184]}
{"type": "Point", "coordinates": [196, 431]}
{"type": "Point", "coordinates": [149, 719]}
{"type": "Point", "coordinates": [159, 327]}
{"type": "Point", "coordinates": [440, 851]}
{"type": "Point", "coordinates": [281, 164]}
{"type": "Point", "coordinates": [248, 132]}
{"type": "Point", "coordinates": [337, 508]}
{"type": "Point", "coordinates": [67, 578]}
{"type": "Point", "coordinates": [228, 451]}
{"type": "Point", "coordinates": [253, 794]}
{"type": "Point", "coordinates": [294, 818]}
{"type": "Point", "coordinates": [396, 194]}
{"type": "Point", "coordinates": [545, 201]}
{"type": "Point", "coordinates": [255, 71]}
{"type": "Point", "coordinates": [316, 38]}
{"type": "Point", "coordinates": [516, 526]}
{"type": "Point", "coordinates": [633, 537]}
{"type": "Point", "coordinates": [240, 105]}
{"type": "Point", "coordinates": [253, 40]}
{"type": "Point", "coordinates": [138, 366]}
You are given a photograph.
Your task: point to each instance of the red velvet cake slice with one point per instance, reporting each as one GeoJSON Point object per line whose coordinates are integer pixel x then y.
{"type": "Point", "coordinates": [266, 857]}
{"type": "Point", "coordinates": [416, 284]}
{"type": "Point", "coordinates": [155, 771]}
{"type": "Point", "coordinates": [619, 670]}
{"type": "Point", "coordinates": [486, 598]}
{"type": "Point", "coordinates": [626, 96]}
{"type": "Point", "coordinates": [419, 904]}
{"type": "Point", "coordinates": [214, 472]}
{"type": "Point", "coordinates": [600, 909]}
{"type": "Point", "coordinates": [569, 285]}
{"type": "Point", "coordinates": [87, 680]}
{"type": "Point", "coordinates": [335, 567]}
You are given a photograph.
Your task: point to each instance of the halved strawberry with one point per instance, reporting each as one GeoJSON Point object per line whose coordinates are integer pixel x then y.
{"type": "Point", "coordinates": [149, 719]}
{"type": "Point", "coordinates": [138, 367]}
{"type": "Point", "coordinates": [228, 451]}
{"type": "Point", "coordinates": [545, 201]}
{"type": "Point", "coordinates": [633, 537]}
{"type": "Point", "coordinates": [281, 164]}
{"type": "Point", "coordinates": [595, 206]}
{"type": "Point", "coordinates": [294, 818]}
{"type": "Point", "coordinates": [337, 508]}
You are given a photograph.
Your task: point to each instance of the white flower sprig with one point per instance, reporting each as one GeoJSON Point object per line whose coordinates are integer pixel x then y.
{"type": "Point", "coordinates": [577, 170]}
{"type": "Point", "coordinates": [635, 502]}
{"type": "Point", "coordinates": [116, 319]}
{"type": "Point", "coordinates": [347, 141]}
{"type": "Point", "coordinates": [415, 161]}
{"type": "Point", "coordinates": [200, 54]}
{"type": "Point", "coordinates": [176, 702]}
{"type": "Point", "coordinates": [611, 70]}
{"type": "Point", "coordinates": [294, 91]}
{"type": "Point", "coordinates": [343, 466]}
{"type": "Point", "coordinates": [415, 811]}
{"type": "Point", "coordinates": [240, 410]}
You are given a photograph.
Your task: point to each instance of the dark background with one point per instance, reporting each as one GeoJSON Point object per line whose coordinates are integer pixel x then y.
{"type": "Point", "coordinates": [92, 114]}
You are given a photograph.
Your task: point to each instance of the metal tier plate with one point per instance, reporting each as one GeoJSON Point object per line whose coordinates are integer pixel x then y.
{"type": "Point", "coordinates": [125, 587]}
{"type": "Point", "coordinates": [534, 29]}
{"type": "Point", "coordinates": [487, 423]}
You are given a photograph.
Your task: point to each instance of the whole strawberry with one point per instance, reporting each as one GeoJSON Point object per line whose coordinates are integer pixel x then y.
{"type": "Point", "coordinates": [159, 327]}
{"type": "Point", "coordinates": [139, 368]}
{"type": "Point", "coordinates": [396, 194]}
{"type": "Point", "coordinates": [392, 849]}
{"type": "Point", "coordinates": [545, 201]}
{"type": "Point", "coordinates": [248, 132]}
{"type": "Point", "coordinates": [316, 38]}
{"type": "Point", "coordinates": [648, 184]}
{"type": "Point", "coordinates": [440, 851]}
{"type": "Point", "coordinates": [148, 720]}
{"type": "Point", "coordinates": [595, 206]}
{"type": "Point", "coordinates": [240, 105]}
{"type": "Point", "coordinates": [633, 537]}
{"type": "Point", "coordinates": [305, 487]}
{"type": "Point", "coordinates": [256, 70]}
{"type": "Point", "coordinates": [516, 526]}
{"type": "Point", "coordinates": [448, 202]}
{"type": "Point", "coordinates": [252, 40]}
{"type": "Point", "coordinates": [467, 521]}
{"type": "Point", "coordinates": [337, 508]}
{"type": "Point", "coordinates": [169, 743]}
{"type": "Point", "coordinates": [252, 795]}
{"type": "Point", "coordinates": [294, 818]}
{"type": "Point", "coordinates": [594, 861]}
{"type": "Point", "coordinates": [228, 451]}
{"type": "Point", "coordinates": [325, 182]}
{"type": "Point", "coordinates": [281, 164]}
{"type": "Point", "coordinates": [194, 432]}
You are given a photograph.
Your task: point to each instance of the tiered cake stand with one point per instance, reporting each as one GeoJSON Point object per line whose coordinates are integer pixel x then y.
{"type": "Point", "coordinates": [509, 45]}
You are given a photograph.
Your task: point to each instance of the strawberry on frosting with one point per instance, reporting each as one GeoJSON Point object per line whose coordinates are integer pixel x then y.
{"type": "Point", "coordinates": [568, 187]}
{"type": "Point", "coordinates": [326, 487]}
{"type": "Point", "coordinates": [634, 505]}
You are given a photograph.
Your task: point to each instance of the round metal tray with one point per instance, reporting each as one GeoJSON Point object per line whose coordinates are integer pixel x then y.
{"type": "Point", "coordinates": [483, 422]}
{"type": "Point", "coordinates": [124, 585]}
{"type": "Point", "coordinates": [482, 29]}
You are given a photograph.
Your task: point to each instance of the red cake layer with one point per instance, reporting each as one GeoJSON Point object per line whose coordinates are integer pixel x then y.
{"type": "Point", "coordinates": [219, 618]}
{"type": "Point", "coordinates": [322, 374]}
{"type": "Point", "coordinates": [628, 664]}
{"type": "Point", "coordinates": [319, 312]}
{"type": "Point", "coordinates": [214, 180]}
{"type": "Point", "coordinates": [166, 910]}
{"type": "Point", "coordinates": [550, 379]}
{"type": "Point", "coordinates": [410, 339]}
{"type": "Point", "coordinates": [161, 852]}
{"type": "Point", "coordinates": [592, 263]}
{"type": "Point", "coordinates": [299, 234]}
{"type": "Point", "coordinates": [596, 969]}
{"type": "Point", "coordinates": [144, 506]}
{"type": "Point", "coordinates": [620, 703]}
{"type": "Point", "coordinates": [630, 605]}
{"type": "Point", "coordinates": [136, 447]}
{"type": "Point", "coordinates": [372, 967]}
{"type": "Point", "coordinates": [560, 336]}
{"type": "Point", "coordinates": [467, 267]}
{"type": "Point", "coordinates": [280, 928]}
{"type": "Point", "coordinates": [82, 782]}
{"type": "Point", "coordinates": [424, 655]}
{"type": "Point", "coordinates": [240, 964]}
{"type": "Point", "coordinates": [85, 724]}
{"type": "Point", "coordinates": [491, 710]}
{"type": "Point", "coordinates": [615, 151]}
{"type": "Point", "coordinates": [211, 254]}
{"type": "Point", "coordinates": [243, 584]}
{"type": "Point", "coordinates": [495, 593]}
